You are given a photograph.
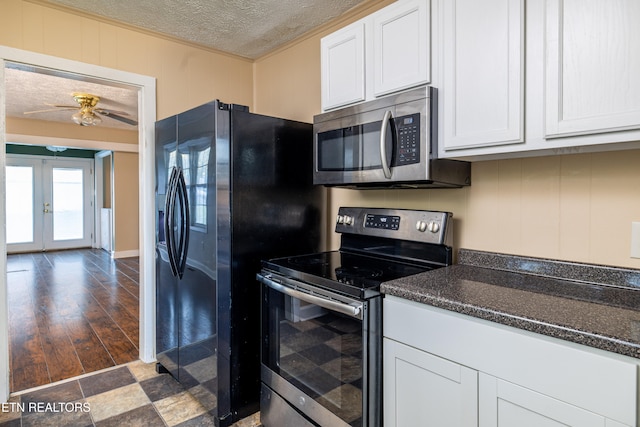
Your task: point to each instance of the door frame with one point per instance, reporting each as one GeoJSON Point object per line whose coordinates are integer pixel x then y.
{"type": "Point", "coordinates": [99, 198]}
{"type": "Point", "coordinates": [146, 86]}
{"type": "Point", "coordinates": [86, 165]}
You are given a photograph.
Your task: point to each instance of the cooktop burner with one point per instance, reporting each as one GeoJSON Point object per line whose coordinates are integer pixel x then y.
{"type": "Point", "coordinates": [349, 273]}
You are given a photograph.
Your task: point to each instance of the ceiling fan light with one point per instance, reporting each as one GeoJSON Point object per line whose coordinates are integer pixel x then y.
{"type": "Point", "coordinates": [86, 118]}
{"type": "Point", "coordinates": [91, 119]}
{"type": "Point", "coordinates": [77, 118]}
{"type": "Point", "coordinates": [56, 148]}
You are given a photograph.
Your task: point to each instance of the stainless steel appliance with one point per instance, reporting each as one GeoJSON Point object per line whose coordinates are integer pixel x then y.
{"type": "Point", "coordinates": [232, 188]}
{"type": "Point", "coordinates": [388, 142]}
{"type": "Point", "coordinates": [322, 316]}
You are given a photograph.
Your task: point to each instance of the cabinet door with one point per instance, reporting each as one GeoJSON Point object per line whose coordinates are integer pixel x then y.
{"type": "Point", "coordinates": [503, 404]}
{"type": "Point", "coordinates": [401, 46]}
{"type": "Point", "coordinates": [424, 390]}
{"type": "Point", "coordinates": [483, 73]}
{"type": "Point", "coordinates": [342, 57]}
{"type": "Point", "coordinates": [592, 66]}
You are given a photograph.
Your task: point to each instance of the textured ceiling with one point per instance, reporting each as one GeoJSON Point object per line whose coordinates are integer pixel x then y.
{"type": "Point", "coordinates": [249, 28]}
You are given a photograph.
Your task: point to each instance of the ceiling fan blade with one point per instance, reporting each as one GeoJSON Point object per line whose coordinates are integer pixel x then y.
{"type": "Point", "coordinates": [63, 106]}
{"type": "Point", "coordinates": [117, 117]}
{"type": "Point", "coordinates": [106, 112]}
{"type": "Point", "coordinates": [51, 109]}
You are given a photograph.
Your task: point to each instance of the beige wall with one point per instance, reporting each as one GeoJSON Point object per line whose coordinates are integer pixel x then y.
{"type": "Point", "coordinates": [125, 203]}
{"type": "Point", "coordinates": [186, 76]}
{"type": "Point", "coordinates": [577, 207]}
{"type": "Point", "coordinates": [106, 181]}
{"type": "Point", "coordinates": [69, 131]}
{"type": "Point", "coordinates": [287, 82]}
{"type": "Point", "coordinates": [574, 207]}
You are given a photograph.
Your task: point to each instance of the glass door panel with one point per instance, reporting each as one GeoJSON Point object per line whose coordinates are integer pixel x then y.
{"type": "Point", "coordinates": [68, 203]}
{"type": "Point", "coordinates": [20, 210]}
{"type": "Point", "coordinates": [22, 198]}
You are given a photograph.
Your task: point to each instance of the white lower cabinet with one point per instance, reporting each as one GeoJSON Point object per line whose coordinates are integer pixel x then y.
{"type": "Point", "coordinates": [447, 369]}
{"type": "Point", "coordinates": [504, 404]}
{"type": "Point", "coordinates": [421, 389]}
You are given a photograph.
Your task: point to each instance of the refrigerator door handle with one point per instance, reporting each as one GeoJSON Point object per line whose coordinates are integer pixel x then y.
{"type": "Point", "coordinates": [183, 247]}
{"type": "Point", "coordinates": [169, 220]}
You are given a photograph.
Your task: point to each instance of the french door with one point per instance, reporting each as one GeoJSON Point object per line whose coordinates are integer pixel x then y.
{"type": "Point", "coordinates": [48, 203]}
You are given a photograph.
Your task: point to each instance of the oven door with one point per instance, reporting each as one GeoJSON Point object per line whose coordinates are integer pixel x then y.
{"type": "Point", "coordinates": [321, 353]}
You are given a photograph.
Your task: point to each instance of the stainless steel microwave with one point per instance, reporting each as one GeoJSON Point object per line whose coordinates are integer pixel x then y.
{"type": "Point", "coordinates": [387, 142]}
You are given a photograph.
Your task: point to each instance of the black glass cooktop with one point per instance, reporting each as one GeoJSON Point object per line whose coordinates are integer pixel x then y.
{"type": "Point", "coordinates": [352, 274]}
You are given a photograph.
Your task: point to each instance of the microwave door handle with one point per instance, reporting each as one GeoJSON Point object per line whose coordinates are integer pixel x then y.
{"type": "Point", "coordinates": [383, 144]}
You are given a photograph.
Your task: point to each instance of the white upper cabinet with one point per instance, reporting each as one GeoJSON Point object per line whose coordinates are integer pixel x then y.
{"type": "Point", "coordinates": [482, 95]}
{"type": "Point", "coordinates": [513, 78]}
{"type": "Point", "coordinates": [382, 53]}
{"type": "Point", "coordinates": [343, 66]}
{"type": "Point", "coordinates": [592, 71]}
{"type": "Point", "coordinates": [546, 77]}
{"type": "Point", "coordinates": [401, 40]}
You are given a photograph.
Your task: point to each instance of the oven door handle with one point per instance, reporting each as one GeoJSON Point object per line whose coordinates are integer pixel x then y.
{"type": "Point", "coordinates": [354, 309]}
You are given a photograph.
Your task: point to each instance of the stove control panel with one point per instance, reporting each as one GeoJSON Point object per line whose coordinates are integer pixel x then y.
{"type": "Point", "coordinates": [387, 222]}
{"type": "Point", "coordinates": [404, 224]}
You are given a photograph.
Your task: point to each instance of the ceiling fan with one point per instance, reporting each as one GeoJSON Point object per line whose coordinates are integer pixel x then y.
{"type": "Point", "coordinates": [88, 114]}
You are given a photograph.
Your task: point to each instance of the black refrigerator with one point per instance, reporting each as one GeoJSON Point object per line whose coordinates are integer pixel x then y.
{"type": "Point", "coordinates": [232, 188]}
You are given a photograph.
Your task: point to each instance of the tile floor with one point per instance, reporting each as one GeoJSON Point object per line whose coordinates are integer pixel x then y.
{"type": "Point", "coordinates": [128, 395]}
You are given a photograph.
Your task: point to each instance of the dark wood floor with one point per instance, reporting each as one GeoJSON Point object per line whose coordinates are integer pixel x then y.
{"type": "Point", "coordinates": [70, 313]}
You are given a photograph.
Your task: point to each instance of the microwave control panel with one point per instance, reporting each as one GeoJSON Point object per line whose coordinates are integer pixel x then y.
{"type": "Point", "coordinates": [408, 134]}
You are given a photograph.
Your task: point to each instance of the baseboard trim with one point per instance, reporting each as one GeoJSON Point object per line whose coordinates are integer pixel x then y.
{"type": "Point", "coordinates": [125, 254]}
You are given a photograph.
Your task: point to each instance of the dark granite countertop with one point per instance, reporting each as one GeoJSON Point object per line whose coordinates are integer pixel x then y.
{"type": "Point", "coordinates": [598, 306]}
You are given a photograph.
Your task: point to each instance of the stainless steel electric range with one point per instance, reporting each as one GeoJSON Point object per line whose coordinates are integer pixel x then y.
{"type": "Point", "coordinates": [322, 316]}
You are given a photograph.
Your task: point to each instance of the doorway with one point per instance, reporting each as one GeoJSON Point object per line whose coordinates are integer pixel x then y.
{"type": "Point", "coordinates": [48, 202]}
{"type": "Point", "coordinates": [146, 88]}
